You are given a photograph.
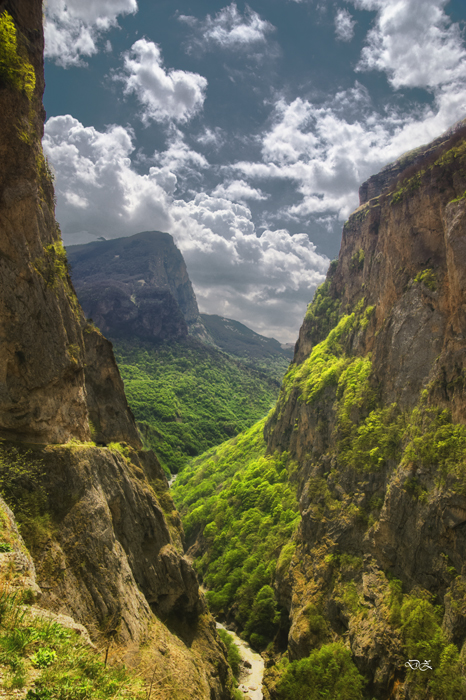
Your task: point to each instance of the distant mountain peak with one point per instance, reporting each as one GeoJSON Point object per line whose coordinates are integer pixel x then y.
{"type": "Point", "coordinates": [136, 286]}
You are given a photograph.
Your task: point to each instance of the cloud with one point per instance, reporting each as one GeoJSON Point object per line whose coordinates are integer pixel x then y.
{"type": "Point", "coordinates": [260, 280]}
{"type": "Point", "coordinates": [344, 25]}
{"type": "Point", "coordinates": [414, 42]}
{"type": "Point", "coordinates": [173, 95]}
{"type": "Point", "coordinates": [73, 28]}
{"type": "Point", "coordinates": [238, 190]}
{"type": "Point", "coordinates": [211, 137]}
{"type": "Point", "coordinates": [327, 150]}
{"type": "Point", "coordinates": [229, 29]}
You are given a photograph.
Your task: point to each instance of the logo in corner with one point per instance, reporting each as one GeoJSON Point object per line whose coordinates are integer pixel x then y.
{"type": "Point", "coordinates": [415, 664]}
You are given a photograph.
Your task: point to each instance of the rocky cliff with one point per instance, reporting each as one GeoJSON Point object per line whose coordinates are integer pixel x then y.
{"type": "Point", "coordinates": [373, 409]}
{"type": "Point", "coordinates": [135, 287]}
{"type": "Point", "coordinates": [98, 520]}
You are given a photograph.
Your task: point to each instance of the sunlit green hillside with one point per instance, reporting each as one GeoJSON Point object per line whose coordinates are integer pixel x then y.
{"type": "Point", "coordinates": [187, 397]}
{"type": "Point", "coordinates": [241, 506]}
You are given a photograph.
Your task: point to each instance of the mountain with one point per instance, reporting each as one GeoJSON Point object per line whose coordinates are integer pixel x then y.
{"type": "Point", "coordinates": [100, 540]}
{"type": "Point", "coordinates": [192, 381]}
{"type": "Point", "coordinates": [138, 287]}
{"type": "Point", "coordinates": [236, 339]}
{"type": "Point", "coordinates": [135, 287]}
{"type": "Point", "coordinates": [369, 433]}
{"type": "Point", "coordinates": [188, 396]}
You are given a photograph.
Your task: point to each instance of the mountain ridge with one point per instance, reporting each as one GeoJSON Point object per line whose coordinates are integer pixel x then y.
{"type": "Point", "coordinates": [370, 425]}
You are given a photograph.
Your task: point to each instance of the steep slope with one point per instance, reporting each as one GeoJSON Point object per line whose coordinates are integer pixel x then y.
{"type": "Point", "coordinates": [135, 287]}
{"type": "Point", "coordinates": [373, 408]}
{"type": "Point", "coordinates": [92, 517]}
{"type": "Point", "coordinates": [255, 350]}
{"type": "Point", "coordinates": [188, 396]}
{"type": "Point", "coordinates": [372, 412]}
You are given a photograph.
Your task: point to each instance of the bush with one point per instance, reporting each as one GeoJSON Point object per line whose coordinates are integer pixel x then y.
{"type": "Point", "coordinates": [327, 672]}
{"type": "Point", "coordinates": [233, 656]}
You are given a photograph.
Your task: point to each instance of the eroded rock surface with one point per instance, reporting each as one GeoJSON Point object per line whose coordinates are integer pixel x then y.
{"type": "Point", "coordinates": [373, 409]}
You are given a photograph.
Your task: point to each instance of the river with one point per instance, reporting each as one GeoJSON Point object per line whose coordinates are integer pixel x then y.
{"type": "Point", "coordinates": [251, 679]}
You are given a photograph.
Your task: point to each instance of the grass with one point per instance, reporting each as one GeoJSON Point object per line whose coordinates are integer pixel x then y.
{"type": "Point", "coordinates": [53, 662]}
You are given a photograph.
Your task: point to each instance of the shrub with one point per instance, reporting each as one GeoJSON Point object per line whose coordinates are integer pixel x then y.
{"type": "Point", "coordinates": [327, 672]}
{"type": "Point", "coordinates": [233, 655]}
{"type": "Point", "coordinates": [14, 69]}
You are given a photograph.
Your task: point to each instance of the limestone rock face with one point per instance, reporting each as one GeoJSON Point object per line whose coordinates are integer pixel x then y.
{"type": "Point", "coordinates": [363, 410]}
{"type": "Point", "coordinates": [112, 556]}
{"type": "Point", "coordinates": [110, 416]}
{"type": "Point", "coordinates": [135, 287]}
{"type": "Point", "coordinates": [110, 553]}
{"type": "Point", "coordinates": [42, 396]}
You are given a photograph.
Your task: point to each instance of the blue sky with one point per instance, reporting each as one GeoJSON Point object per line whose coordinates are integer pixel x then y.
{"type": "Point", "coordinates": [244, 130]}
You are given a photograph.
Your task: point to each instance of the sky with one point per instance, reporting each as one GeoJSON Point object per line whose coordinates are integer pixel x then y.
{"type": "Point", "coordinates": [242, 129]}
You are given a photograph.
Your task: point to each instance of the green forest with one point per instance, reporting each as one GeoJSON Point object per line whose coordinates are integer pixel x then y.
{"type": "Point", "coordinates": [187, 397]}
{"type": "Point", "coordinates": [243, 503]}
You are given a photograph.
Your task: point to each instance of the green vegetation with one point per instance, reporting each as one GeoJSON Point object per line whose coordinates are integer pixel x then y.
{"type": "Point", "coordinates": [21, 486]}
{"type": "Point", "coordinates": [323, 312]}
{"type": "Point", "coordinates": [324, 365]}
{"type": "Point", "coordinates": [68, 667]}
{"type": "Point", "coordinates": [243, 503]}
{"type": "Point", "coordinates": [433, 440]}
{"type": "Point", "coordinates": [187, 397]}
{"type": "Point", "coordinates": [407, 186]}
{"type": "Point", "coordinates": [428, 278]}
{"type": "Point", "coordinates": [357, 259]}
{"type": "Point", "coordinates": [328, 672]}
{"type": "Point", "coordinates": [14, 69]}
{"type": "Point", "coordinates": [52, 265]}
{"type": "Point", "coordinates": [233, 655]}
{"type": "Point", "coordinates": [458, 199]}
{"type": "Point", "coordinates": [419, 622]}
{"type": "Point", "coordinates": [256, 351]}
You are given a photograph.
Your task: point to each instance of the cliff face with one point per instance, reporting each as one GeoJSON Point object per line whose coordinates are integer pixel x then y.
{"type": "Point", "coordinates": [103, 531]}
{"type": "Point", "coordinates": [135, 287]}
{"type": "Point", "coordinates": [42, 368]}
{"type": "Point", "coordinates": [374, 410]}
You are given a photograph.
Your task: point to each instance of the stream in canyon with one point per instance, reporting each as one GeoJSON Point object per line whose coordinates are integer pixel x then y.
{"type": "Point", "coordinates": [250, 682]}
{"type": "Point", "coordinates": [251, 679]}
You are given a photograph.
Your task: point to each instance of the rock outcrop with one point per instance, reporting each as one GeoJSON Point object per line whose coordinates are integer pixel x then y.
{"type": "Point", "coordinates": [374, 411]}
{"type": "Point", "coordinates": [103, 532]}
{"type": "Point", "coordinates": [135, 287]}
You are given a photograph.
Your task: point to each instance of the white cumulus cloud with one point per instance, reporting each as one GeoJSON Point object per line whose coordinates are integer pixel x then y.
{"type": "Point", "coordinates": [328, 152]}
{"type": "Point", "coordinates": [344, 25]}
{"type": "Point", "coordinates": [235, 272]}
{"type": "Point", "coordinates": [329, 148]}
{"type": "Point", "coordinates": [414, 42]}
{"type": "Point", "coordinates": [166, 95]}
{"type": "Point", "coordinates": [238, 190]}
{"type": "Point", "coordinates": [229, 28]}
{"type": "Point", "coordinates": [73, 28]}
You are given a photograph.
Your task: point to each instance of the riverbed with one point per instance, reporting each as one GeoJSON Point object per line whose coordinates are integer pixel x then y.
{"type": "Point", "coordinates": [251, 680]}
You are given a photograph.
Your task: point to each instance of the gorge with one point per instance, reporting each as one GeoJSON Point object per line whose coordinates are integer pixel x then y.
{"type": "Point", "coordinates": [330, 534]}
